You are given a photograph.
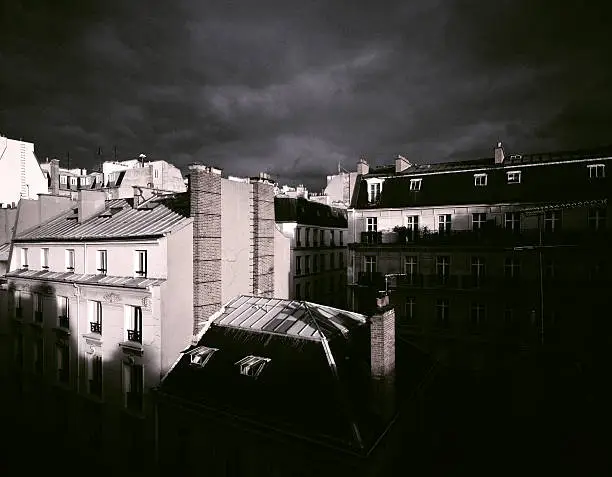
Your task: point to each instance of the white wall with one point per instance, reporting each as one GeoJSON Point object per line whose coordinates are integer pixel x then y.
{"type": "Point", "coordinates": [283, 279]}
{"type": "Point", "coordinates": [11, 171]}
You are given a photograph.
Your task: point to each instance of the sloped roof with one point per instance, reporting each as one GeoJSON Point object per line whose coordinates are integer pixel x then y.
{"type": "Point", "coordinates": [312, 387]}
{"type": "Point", "coordinates": [86, 279]}
{"type": "Point", "coordinates": [453, 184]}
{"type": "Point", "coordinates": [5, 249]}
{"type": "Point", "coordinates": [118, 220]}
{"type": "Point", "coordinates": [306, 212]}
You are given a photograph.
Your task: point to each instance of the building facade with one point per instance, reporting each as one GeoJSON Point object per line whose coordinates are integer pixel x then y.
{"type": "Point", "coordinates": [96, 312]}
{"type": "Point", "coordinates": [20, 174]}
{"type": "Point", "coordinates": [315, 237]}
{"type": "Point", "coordinates": [486, 255]}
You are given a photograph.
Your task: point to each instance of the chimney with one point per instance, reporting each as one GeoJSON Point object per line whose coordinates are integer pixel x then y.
{"type": "Point", "coordinates": [382, 358]}
{"type": "Point", "coordinates": [90, 203]}
{"type": "Point", "coordinates": [362, 166]}
{"type": "Point", "coordinates": [54, 176]}
{"type": "Point", "coordinates": [263, 236]}
{"type": "Point", "coordinates": [499, 154]}
{"type": "Point", "coordinates": [205, 190]}
{"type": "Point", "coordinates": [401, 164]}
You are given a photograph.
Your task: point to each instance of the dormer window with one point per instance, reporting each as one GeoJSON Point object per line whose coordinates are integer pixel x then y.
{"type": "Point", "coordinates": [201, 355]}
{"type": "Point", "coordinates": [63, 180]}
{"type": "Point", "coordinates": [597, 171]}
{"type": "Point", "coordinates": [415, 184]}
{"type": "Point", "coordinates": [514, 177]}
{"type": "Point", "coordinates": [374, 190]}
{"type": "Point", "coordinates": [73, 181]}
{"type": "Point", "coordinates": [480, 180]}
{"type": "Point", "coordinates": [252, 365]}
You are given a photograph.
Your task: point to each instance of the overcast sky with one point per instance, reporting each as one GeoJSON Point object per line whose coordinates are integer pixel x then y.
{"type": "Point", "coordinates": [294, 87]}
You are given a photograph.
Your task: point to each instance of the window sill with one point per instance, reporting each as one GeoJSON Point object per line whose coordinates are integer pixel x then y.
{"type": "Point", "coordinates": [132, 347]}
{"type": "Point", "coordinates": [64, 331]}
{"type": "Point", "coordinates": [93, 338]}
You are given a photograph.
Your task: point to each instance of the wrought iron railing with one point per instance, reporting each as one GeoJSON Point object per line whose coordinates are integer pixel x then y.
{"type": "Point", "coordinates": [135, 335]}
{"type": "Point", "coordinates": [95, 327]}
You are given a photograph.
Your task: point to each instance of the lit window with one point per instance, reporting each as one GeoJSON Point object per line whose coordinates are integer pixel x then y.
{"type": "Point", "coordinates": [513, 177]}
{"type": "Point", "coordinates": [252, 365]}
{"type": "Point", "coordinates": [70, 260]}
{"type": "Point", "coordinates": [415, 184]}
{"type": "Point", "coordinates": [24, 258]}
{"type": "Point", "coordinates": [140, 268]}
{"type": "Point", "coordinates": [597, 171]}
{"type": "Point", "coordinates": [374, 192]}
{"type": "Point", "coordinates": [95, 314]}
{"type": "Point", "coordinates": [480, 180]}
{"type": "Point", "coordinates": [134, 323]}
{"type": "Point", "coordinates": [369, 263]}
{"type": "Point", "coordinates": [199, 356]}
{"type": "Point", "coordinates": [44, 258]}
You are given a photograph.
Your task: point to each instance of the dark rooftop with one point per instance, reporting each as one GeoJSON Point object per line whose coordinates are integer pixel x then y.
{"type": "Point", "coordinates": [306, 212]}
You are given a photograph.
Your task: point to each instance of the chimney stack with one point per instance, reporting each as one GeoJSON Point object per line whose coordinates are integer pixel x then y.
{"type": "Point", "coordinates": [54, 176]}
{"type": "Point", "coordinates": [401, 164]}
{"type": "Point", "coordinates": [90, 203]}
{"type": "Point", "coordinates": [499, 154]}
{"type": "Point", "coordinates": [205, 190]}
{"type": "Point", "coordinates": [362, 166]}
{"type": "Point", "coordinates": [382, 358]}
{"type": "Point", "coordinates": [263, 236]}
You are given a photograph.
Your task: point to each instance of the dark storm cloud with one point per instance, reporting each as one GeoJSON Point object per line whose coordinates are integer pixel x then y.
{"type": "Point", "coordinates": [296, 87]}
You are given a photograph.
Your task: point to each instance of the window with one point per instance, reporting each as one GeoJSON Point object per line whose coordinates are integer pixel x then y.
{"type": "Point", "coordinates": [322, 261]}
{"type": "Point", "coordinates": [252, 365]}
{"type": "Point", "coordinates": [549, 268]}
{"type": "Point", "coordinates": [63, 362]}
{"type": "Point", "coordinates": [513, 177]}
{"type": "Point", "coordinates": [597, 219]}
{"type": "Point", "coordinates": [443, 267]}
{"type": "Point", "coordinates": [479, 220]}
{"type": "Point", "coordinates": [134, 323]}
{"type": "Point", "coordinates": [415, 184]}
{"type": "Point", "coordinates": [597, 171]}
{"type": "Point", "coordinates": [44, 258]}
{"type": "Point", "coordinates": [24, 258]}
{"type": "Point", "coordinates": [307, 291]}
{"type": "Point", "coordinates": [95, 313]}
{"type": "Point", "coordinates": [63, 311]}
{"type": "Point", "coordinates": [410, 266]}
{"type": "Point", "coordinates": [341, 237]}
{"type": "Point", "coordinates": [38, 307]}
{"type": "Point", "coordinates": [307, 237]}
{"type": "Point", "coordinates": [156, 173]}
{"type": "Point", "coordinates": [480, 180]}
{"type": "Point", "coordinates": [39, 356]}
{"type": "Point", "coordinates": [341, 257]}
{"type": "Point", "coordinates": [477, 314]}
{"type": "Point", "coordinates": [101, 262]}
{"type": "Point", "coordinates": [141, 263]}
{"type": "Point", "coordinates": [18, 349]}
{"type": "Point", "coordinates": [444, 223]}
{"type": "Point", "coordinates": [70, 260]}
{"type": "Point", "coordinates": [552, 221]}
{"type": "Point", "coordinates": [410, 308]}
{"type": "Point", "coordinates": [73, 181]}
{"type": "Point", "coordinates": [369, 263]}
{"type": "Point", "coordinates": [315, 263]}
{"type": "Point", "coordinates": [412, 222]}
{"type": "Point", "coordinates": [298, 265]}
{"type": "Point", "coordinates": [332, 238]}
{"type": "Point", "coordinates": [18, 304]}
{"type": "Point", "coordinates": [374, 192]}
{"type": "Point", "coordinates": [298, 291]}
{"type": "Point", "coordinates": [478, 270]}
{"type": "Point", "coordinates": [63, 180]}
{"type": "Point", "coordinates": [442, 308]}
{"type": "Point", "coordinates": [133, 386]}
{"type": "Point", "coordinates": [298, 237]}
{"type": "Point", "coordinates": [332, 261]}
{"type": "Point", "coordinates": [307, 264]}
{"type": "Point", "coordinates": [94, 375]}
{"type": "Point", "coordinates": [315, 238]}
{"type": "Point", "coordinates": [372, 224]}
{"type": "Point", "coordinates": [512, 221]}
{"type": "Point", "coordinates": [200, 356]}
{"type": "Point", "coordinates": [512, 267]}
{"type": "Point", "coordinates": [322, 237]}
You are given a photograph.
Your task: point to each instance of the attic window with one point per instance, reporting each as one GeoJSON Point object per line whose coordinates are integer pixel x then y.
{"type": "Point", "coordinates": [374, 190]}
{"type": "Point", "coordinates": [252, 365]}
{"type": "Point", "coordinates": [514, 177]}
{"type": "Point", "coordinates": [597, 171]}
{"type": "Point", "coordinates": [200, 355]}
{"type": "Point", "coordinates": [415, 184]}
{"type": "Point", "coordinates": [480, 180]}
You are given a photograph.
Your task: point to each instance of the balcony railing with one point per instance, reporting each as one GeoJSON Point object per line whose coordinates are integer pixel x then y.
{"type": "Point", "coordinates": [96, 327]}
{"type": "Point", "coordinates": [371, 237]}
{"type": "Point", "coordinates": [64, 322]}
{"type": "Point", "coordinates": [135, 335]}
{"type": "Point", "coordinates": [461, 282]}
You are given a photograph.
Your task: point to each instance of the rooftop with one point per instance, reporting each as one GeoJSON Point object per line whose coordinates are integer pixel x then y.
{"type": "Point", "coordinates": [86, 279]}
{"type": "Point", "coordinates": [306, 212]}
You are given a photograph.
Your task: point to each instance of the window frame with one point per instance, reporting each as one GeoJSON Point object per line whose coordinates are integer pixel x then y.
{"type": "Point", "coordinates": [102, 262]}
{"type": "Point", "coordinates": [70, 260]}
{"type": "Point", "coordinates": [594, 171]}
{"type": "Point", "coordinates": [141, 264]}
{"type": "Point", "coordinates": [24, 258]}
{"type": "Point", "coordinates": [415, 184]}
{"type": "Point", "coordinates": [44, 258]}
{"type": "Point", "coordinates": [480, 180]}
{"type": "Point", "coordinates": [134, 324]}
{"type": "Point", "coordinates": [370, 261]}
{"type": "Point", "coordinates": [477, 223]}
{"type": "Point", "coordinates": [409, 308]}
{"type": "Point", "coordinates": [371, 224]}
{"type": "Point", "coordinates": [513, 177]}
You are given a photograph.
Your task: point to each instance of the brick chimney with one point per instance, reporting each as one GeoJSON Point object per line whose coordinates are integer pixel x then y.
{"type": "Point", "coordinates": [401, 164]}
{"type": "Point", "coordinates": [499, 154]}
{"type": "Point", "coordinates": [362, 166]}
{"type": "Point", "coordinates": [54, 176]}
{"type": "Point", "coordinates": [205, 190]}
{"type": "Point", "coordinates": [263, 236]}
{"type": "Point", "coordinates": [90, 203]}
{"type": "Point", "coordinates": [382, 358]}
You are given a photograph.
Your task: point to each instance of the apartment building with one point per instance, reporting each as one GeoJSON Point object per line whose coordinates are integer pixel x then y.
{"type": "Point", "coordinates": [502, 251]}
{"type": "Point", "coordinates": [97, 312]}
{"type": "Point", "coordinates": [313, 250]}
{"type": "Point", "coordinates": [20, 174]}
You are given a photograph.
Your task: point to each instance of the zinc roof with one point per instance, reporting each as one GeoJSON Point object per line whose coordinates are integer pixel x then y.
{"type": "Point", "coordinates": [86, 279]}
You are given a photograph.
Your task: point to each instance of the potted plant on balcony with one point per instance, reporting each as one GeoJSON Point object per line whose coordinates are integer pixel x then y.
{"type": "Point", "coordinates": [402, 233]}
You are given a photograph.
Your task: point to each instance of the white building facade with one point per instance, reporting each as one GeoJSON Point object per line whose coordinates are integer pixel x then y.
{"type": "Point", "coordinates": [20, 174]}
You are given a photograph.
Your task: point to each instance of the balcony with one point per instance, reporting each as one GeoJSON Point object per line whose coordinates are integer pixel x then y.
{"type": "Point", "coordinates": [96, 327]}
{"type": "Point", "coordinates": [64, 322]}
{"type": "Point", "coordinates": [371, 238]}
{"type": "Point", "coordinates": [135, 336]}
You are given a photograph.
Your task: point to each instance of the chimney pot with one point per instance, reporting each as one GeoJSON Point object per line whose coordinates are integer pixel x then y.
{"type": "Point", "coordinates": [401, 164]}
{"type": "Point", "coordinates": [362, 166]}
{"type": "Point", "coordinates": [499, 154]}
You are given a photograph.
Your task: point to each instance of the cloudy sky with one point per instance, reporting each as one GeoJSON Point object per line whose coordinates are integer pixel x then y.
{"type": "Point", "coordinates": [294, 87]}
